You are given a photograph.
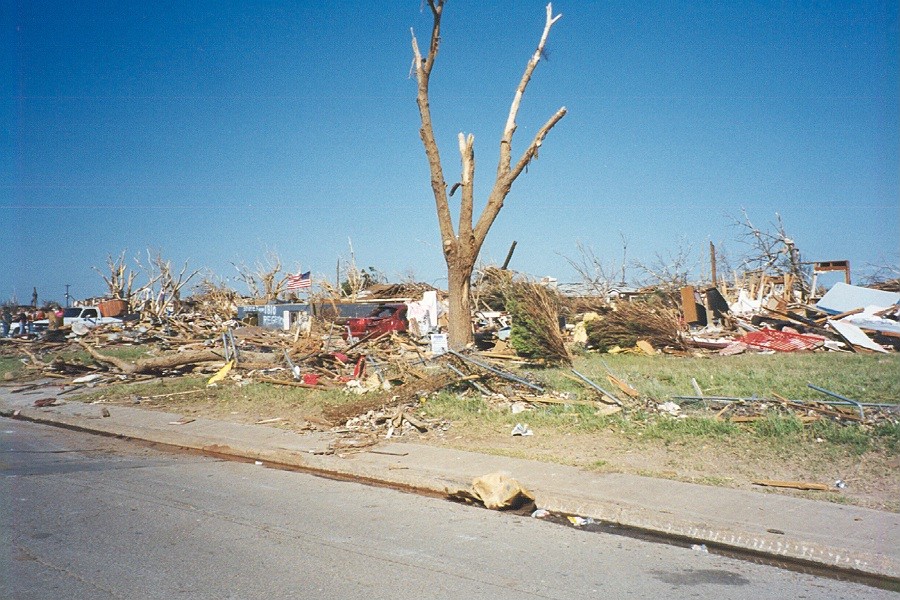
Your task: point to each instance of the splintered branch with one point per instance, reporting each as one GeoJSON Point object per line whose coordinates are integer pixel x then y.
{"type": "Point", "coordinates": [506, 141]}
{"type": "Point", "coordinates": [156, 364]}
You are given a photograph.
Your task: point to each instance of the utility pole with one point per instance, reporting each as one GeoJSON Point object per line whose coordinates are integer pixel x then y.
{"type": "Point", "coordinates": [67, 295]}
{"type": "Point", "coordinates": [509, 254]}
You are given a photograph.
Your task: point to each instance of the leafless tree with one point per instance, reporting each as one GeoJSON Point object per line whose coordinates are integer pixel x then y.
{"type": "Point", "coordinates": [882, 271]}
{"type": "Point", "coordinates": [669, 272]}
{"type": "Point", "coordinates": [265, 280]}
{"type": "Point", "coordinates": [215, 297]}
{"type": "Point", "coordinates": [771, 250]}
{"type": "Point", "coordinates": [162, 292]}
{"type": "Point", "coordinates": [355, 279]}
{"type": "Point", "coordinates": [462, 246]}
{"type": "Point", "coordinates": [118, 277]}
{"type": "Point", "coordinates": [596, 273]}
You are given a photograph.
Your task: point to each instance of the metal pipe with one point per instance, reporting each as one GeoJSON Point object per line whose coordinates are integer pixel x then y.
{"type": "Point", "coordinates": [839, 397]}
{"type": "Point", "coordinates": [594, 385]}
{"type": "Point", "coordinates": [732, 399]}
{"type": "Point", "coordinates": [474, 384]}
{"type": "Point", "coordinates": [498, 372]}
{"type": "Point", "coordinates": [234, 350]}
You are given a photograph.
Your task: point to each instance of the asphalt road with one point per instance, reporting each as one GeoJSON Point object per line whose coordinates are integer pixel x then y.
{"type": "Point", "coordinates": [91, 517]}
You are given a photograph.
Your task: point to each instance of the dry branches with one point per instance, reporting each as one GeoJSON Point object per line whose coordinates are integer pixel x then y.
{"type": "Point", "coordinates": [627, 322]}
{"type": "Point", "coordinates": [120, 280]}
{"type": "Point", "coordinates": [265, 280]}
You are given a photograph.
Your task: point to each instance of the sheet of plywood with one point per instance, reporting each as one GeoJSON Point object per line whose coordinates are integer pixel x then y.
{"type": "Point", "coordinates": [855, 336]}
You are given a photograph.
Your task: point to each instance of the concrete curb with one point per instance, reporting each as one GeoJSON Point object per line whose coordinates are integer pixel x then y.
{"type": "Point", "coordinates": [437, 471]}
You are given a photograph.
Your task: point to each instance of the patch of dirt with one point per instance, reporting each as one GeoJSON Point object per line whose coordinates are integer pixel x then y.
{"type": "Point", "coordinates": [871, 478]}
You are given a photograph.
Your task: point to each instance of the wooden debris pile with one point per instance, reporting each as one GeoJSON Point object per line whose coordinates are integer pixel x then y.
{"type": "Point", "coordinates": [624, 324]}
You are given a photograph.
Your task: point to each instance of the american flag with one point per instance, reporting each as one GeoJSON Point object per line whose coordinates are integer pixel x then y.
{"type": "Point", "coordinates": [299, 282]}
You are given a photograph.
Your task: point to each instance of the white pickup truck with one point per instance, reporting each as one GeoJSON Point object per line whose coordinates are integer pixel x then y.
{"type": "Point", "coordinates": [89, 316]}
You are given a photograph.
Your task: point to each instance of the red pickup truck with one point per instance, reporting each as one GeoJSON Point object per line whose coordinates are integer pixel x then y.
{"type": "Point", "coordinates": [384, 319]}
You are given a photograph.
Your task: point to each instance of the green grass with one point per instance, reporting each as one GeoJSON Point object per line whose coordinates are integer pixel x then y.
{"type": "Point", "coordinates": [778, 427]}
{"type": "Point", "coordinates": [862, 377]}
{"type": "Point", "coordinates": [10, 367]}
{"type": "Point", "coordinates": [76, 355]}
{"type": "Point", "coordinates": [776, 430]}
{"type": "Point", "coordinates": [867, 378]}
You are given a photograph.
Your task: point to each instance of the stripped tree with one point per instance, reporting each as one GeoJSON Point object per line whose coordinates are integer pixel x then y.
{"type": "Point", "coordinates": [165, 300]}
{"type": "Point", "coordinates": [120, 281]}
{"type": "Point", "coordinates": [265, 280]}
{"type": "Point", "coordinates": [461, 247]}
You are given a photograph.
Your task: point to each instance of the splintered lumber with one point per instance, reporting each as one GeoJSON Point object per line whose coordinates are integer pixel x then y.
{"type": "Point", "coordinates": [156, 396]}
{"type": "Point", "coordinates": [274, 381]}
{"type": "Point", "coordinates": [626, 389]}
{"type": "Point", "coordinates": [552, 400]}
{"type": "Point", "coordinates": [796, 485]}
{"type": "Point", "coordinates": [825, 411]}
{"type": "Point", "coordinates": [415, 422]}
{"type": "Point", "coordinates": [502, 356]}
{"type": "Point", "coordinates": [847, 313]}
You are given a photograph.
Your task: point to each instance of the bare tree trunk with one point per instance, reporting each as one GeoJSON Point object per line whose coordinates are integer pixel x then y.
{"type": "Point", "coordinates": [459, 281]}
{"type": "Point", "coordinates": [462, 245]}
{"type": "Point", "coordinates": [155, 364]}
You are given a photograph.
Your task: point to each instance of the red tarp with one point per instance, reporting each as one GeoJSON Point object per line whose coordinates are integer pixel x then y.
{"type": "Point", "coordinates": [782, 341]}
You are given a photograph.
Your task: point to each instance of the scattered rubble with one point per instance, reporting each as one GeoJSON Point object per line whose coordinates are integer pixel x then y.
{"type": "Point", "coordinates": [390, 369]}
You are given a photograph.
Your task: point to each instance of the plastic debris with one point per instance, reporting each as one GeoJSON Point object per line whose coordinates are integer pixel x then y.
{"type": "Point", "coordinates": [499, 491]}
{"type": "Point", "coordinates": [522, 429]}
{"type": "Point", "coordinates": [840, 484]}
{"type": "Point", "coordinates": [540, 513]}
{"type": "Point", "coordinates": [700, 548]}
{"type": "Point", "coordinates": [669, 408]}
{"type": "Point", "coordinates": [580, 521]}
{"type": "Point", "coordinates": [220, 374]}
{"type": "Point", "coordinates": [518, 407]}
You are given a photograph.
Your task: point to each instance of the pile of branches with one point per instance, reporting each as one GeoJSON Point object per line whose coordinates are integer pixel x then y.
{"type": "Point", "coordinates": [888, 285]}
{"type": "Point", "coordinates": [626, 323]}
{"type": "Point", "coordinates": [535, 313]}
{"type": "Point", "coordinates": [489, 288]}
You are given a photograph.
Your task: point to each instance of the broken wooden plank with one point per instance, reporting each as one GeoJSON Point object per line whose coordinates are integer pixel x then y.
{"type": "Point", "coordinates": [552, 400]}
{"type": "Point", "coordinates": [622, 385]}
{"type": "Point", "coordinates": [274, 381]}
{"type": "Point", "coordinates": [847, 313]}
{"type": "Point", "coordinates": [819, 409]}
{"type": "Point", "coordinates": [796, 485]}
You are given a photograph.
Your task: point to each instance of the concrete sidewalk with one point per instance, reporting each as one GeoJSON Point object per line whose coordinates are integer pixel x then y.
{"type": "Point", "coordinates": [828, 535]}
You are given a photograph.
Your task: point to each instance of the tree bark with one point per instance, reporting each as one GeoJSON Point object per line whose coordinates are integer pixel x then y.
{"type": "Point", "coordinates": [459, 282]}
{"type": "Point", "coordinates": [462, 245]}
{"type": "Point", "coordinates": [172, 360]}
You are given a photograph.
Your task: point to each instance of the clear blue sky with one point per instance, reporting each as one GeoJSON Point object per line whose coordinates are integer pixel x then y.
{"type": "Point", "coordinates": [216, 130]}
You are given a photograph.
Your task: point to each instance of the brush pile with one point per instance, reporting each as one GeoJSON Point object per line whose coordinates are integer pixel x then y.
{"type": "Point", "coordinates": [625, 323]}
